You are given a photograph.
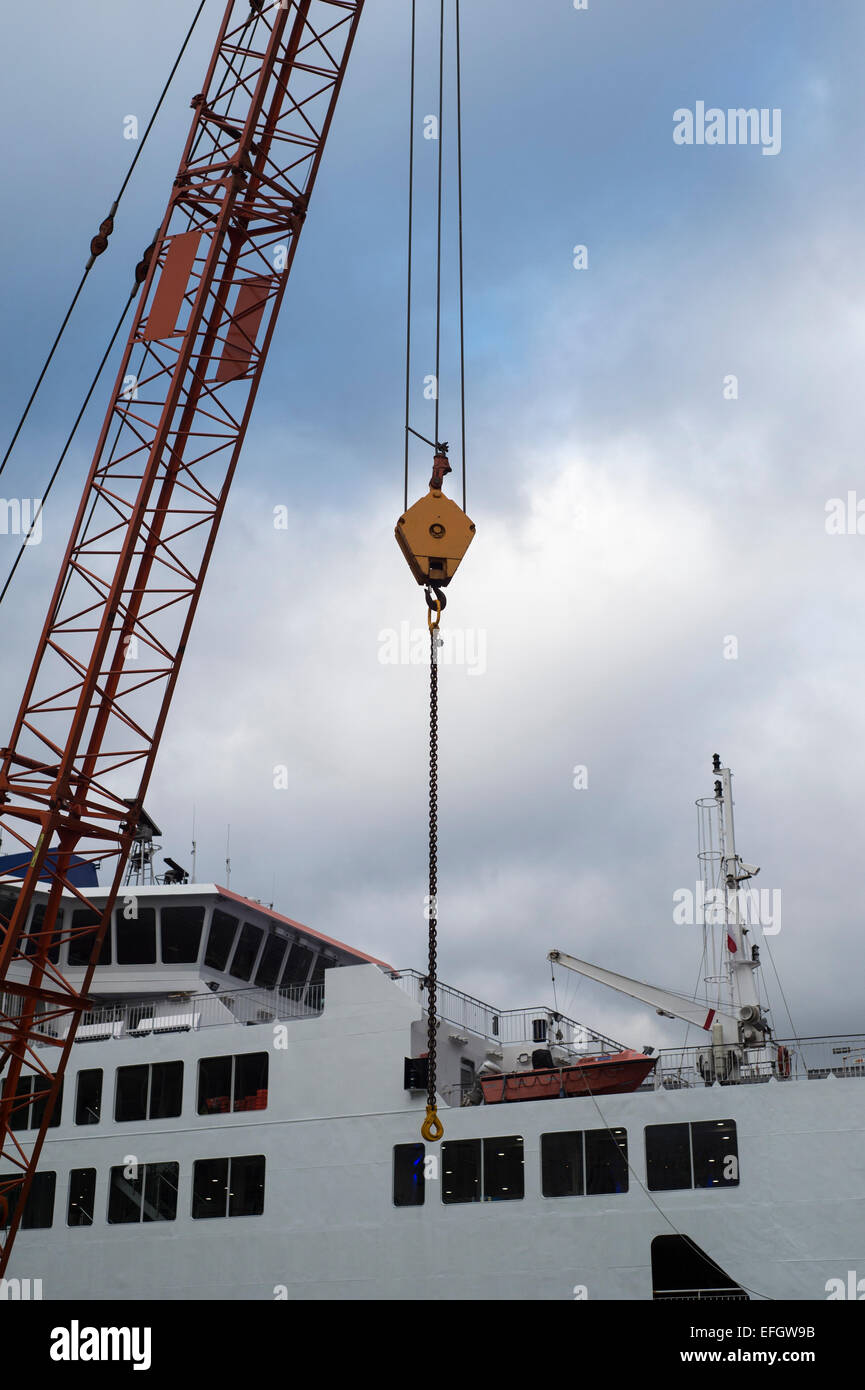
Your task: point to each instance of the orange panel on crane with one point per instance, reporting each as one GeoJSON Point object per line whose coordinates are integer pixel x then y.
{"type": "Point", "coordinates": [167, 301]}
{"type": "Point", "coordinates": [244, 325]}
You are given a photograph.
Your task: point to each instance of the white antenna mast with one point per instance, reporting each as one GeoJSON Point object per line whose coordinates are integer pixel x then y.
{"type": "Point", "coordinates": [742, 962]}
{"type": "Point", "coordinates": [194, 848]}
{"type": "Point", "coordinates": [228, 856]}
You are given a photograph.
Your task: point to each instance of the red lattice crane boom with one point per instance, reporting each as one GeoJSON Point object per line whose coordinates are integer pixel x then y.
{"type": "Point", "coordinates": [74, 775]}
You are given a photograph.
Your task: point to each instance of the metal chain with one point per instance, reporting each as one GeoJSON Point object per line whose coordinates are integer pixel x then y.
{"type": "Point", "coordinates": [433, 864]}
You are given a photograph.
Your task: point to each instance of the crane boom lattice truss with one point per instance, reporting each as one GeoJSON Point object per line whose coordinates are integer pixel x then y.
{"type": "Point", "coordinates": [78, 764]}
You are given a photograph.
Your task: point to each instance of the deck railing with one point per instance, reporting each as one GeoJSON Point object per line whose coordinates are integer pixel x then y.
{"type": "Point", "coordinates": [500, 1025]}
{"type": "Point", "coordinates": [185, 1013]}
{"type": "Point", "coordinates": [810, 1059]}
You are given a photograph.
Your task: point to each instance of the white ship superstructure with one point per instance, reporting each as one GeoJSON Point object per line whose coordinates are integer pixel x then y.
{"type": "Point", "coordinates": [241, 1120]}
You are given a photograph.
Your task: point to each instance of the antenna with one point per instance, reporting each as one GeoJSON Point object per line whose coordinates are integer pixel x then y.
{"type": "Point", "coordinates": [228, 856]}
{"type": "Point", "coordinates": [194, 849]}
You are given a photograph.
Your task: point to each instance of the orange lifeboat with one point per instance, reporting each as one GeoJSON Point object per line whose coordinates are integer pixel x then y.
{"type": "Point", "coordinates": [608, 1073]}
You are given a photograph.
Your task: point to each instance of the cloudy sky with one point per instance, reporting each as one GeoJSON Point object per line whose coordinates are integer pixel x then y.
{"type": "Point", "coordinates": [634, 510]}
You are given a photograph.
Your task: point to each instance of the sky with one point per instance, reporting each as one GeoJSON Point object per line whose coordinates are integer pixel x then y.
{"type": "Point", "coordinates": [653, 442]}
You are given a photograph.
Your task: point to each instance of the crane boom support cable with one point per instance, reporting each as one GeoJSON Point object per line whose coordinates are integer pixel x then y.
{"type": "Point", "coordinates": [103, 238]}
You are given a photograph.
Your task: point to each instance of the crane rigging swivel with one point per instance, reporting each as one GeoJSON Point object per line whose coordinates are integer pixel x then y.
{"type": "Point", "coordinates": [118, 624]}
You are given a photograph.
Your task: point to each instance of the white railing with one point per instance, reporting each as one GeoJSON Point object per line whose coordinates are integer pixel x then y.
{"type": "Point", "coordinates": [807, 1059]}
{"type": "Point", "coordinates": [499, 1025]}
{"type": "Point", "coordinates": [144, 1018]}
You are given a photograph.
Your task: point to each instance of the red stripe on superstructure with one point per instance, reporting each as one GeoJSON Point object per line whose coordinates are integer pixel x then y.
{"type": "Point", "coordinates": [709, 1016]}
{"type": "Point", "coordinates": [278, 917]}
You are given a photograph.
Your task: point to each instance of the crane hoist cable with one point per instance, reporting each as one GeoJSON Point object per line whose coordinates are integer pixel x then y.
{"type": "Point", "coordinates": [435, 533]}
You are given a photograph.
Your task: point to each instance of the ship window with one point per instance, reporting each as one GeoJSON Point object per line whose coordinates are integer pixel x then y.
{"type": "Point", "coordinates": [143, 1192]}
{"type": "Point", "coordinates": [81, 947]}
{"type": "Point", "coordinates": [232, 1083]}
{"type": "Point", "coordinates": [716, 1153]}
{"type": "Point", "coordinates": [461, 1171]}
{"type": "Point", "coordinates": [33, 1092]}
{"type": "Point", "coordinates": [606, 1161]}
{"type": "Point", "coordinates": [297, 966]}
{"type": "Point", "coordinates": [149, 1092]}
{"type": "Point", "coordinates": [39, 1208]}
{"type": "Point", "coordinates": [88, 1099]}
{"type": "Point", "coordinates": [82, 1190]}
{"type": "Point", "coordinates": [408, 1175]}
{"type": "Point", "coordinates": [180, 930]}
{"type": "Point", "coordinates": [271, 959]}
{"type": "Point", "coordinates": [245, 951]}
{"type": "Point", "coordinates": [562, 1164]}
{"type": "Point", "coordinates": [702, 1154]}
{"type": "Point", "coordinates": [503, 1169]}
{"type": "Point", "coordinates": [539, 1030]}
{"type": "Point", "coordinates": [220, 939]}
{"type": "Point", "coordinates": [32, 943]}
{"type": "Point", "coordinates": [228, 1187]}
{"type": "Point", "coordinates": [668, 1157]}
{"type": "Point", "coordinates": [136, 937]}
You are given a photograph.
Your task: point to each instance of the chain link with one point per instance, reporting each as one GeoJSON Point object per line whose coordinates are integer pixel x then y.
{"type": "Point", "coordinates": [433, 865]}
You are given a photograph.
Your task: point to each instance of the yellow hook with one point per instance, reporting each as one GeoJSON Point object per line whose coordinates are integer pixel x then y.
{"type": "Point", "coordinates": [429, 622]}
{"type": "Point", "coordinates": [432, 1127]}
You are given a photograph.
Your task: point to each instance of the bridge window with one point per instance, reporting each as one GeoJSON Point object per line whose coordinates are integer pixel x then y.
{"type": "Point", "coordinates": [408, 1175]}
{"type": "Point", "coordinates": [81, 947]}
{"type": "Point", "coordinates": [271, 960]}
{"type": "Point", "coordinates": [220, 939]}
{"type": "Point", "coordinates": [589, 1163]}
{"type": "Point", "coordinates": [702, 1154]}
{"type": "Point", "coordinates": [149, 1092]}
{"type": "Point", "coordinates": [136, 937]}
{"type": "Point", "coordinates": [245, 951]}
{"type": "Point", "coordinates": [32, 943]}
{"type": "Point", "coordinates": [32, 1092]}
{"type": "Point", "coordinates": [490, 1170]}
{"type": "Point", "coordinates": [180, 931]}
{"type": "Point", "coordinates": [228, 1187]}
{"type": "Point", "coordinates": [82, 1191]}
{"type": "Point", "coordinates": [88, 1098]}
{"type": "Point", "coordinates": [39, 1210]}
{"type": "Point", "coordinates": [297, 966]}
{"type": "Point", "coordinates": [143, 1192]}
{"type": "Point", "coordinates": [232, 1083]}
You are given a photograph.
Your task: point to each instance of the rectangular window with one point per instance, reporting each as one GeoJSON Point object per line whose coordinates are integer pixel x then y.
{"type": "Point", "coordinates": [82, 1192]}
{"type": "Point", "coordinates": [267, 973]}
{"type": "Point", "coordinates": [503, 1169]}
{"type": "Point", "coordinates": [136, 937]}
{"type": "Point", "coordinates": [296, 968]}
{"type": "Point", "coordinates": [39, 1210]}
{"type": "Point", "coordinates": [579, 1163]}
{"type": "Point", "coordinates": [228, 1187]}
{"type": "Point", "coordinates": [245, 951]}
{"type": "Point", "coordinates": [562, 1164]}
{"type": "Point", "coordinates": [408, 1175]}
{"type": "Point", "coordinates": [149, 1092]}
{"type": "Point", "coordinates": [606, 1161]}
{"type": "Point", "coordinates": [33, 941]}
{"type": "Point", "coordinates": [668, 1157]}
{"type": "Point", "coordinates": [702, 1154]}
{"type": "Point", "coordinates": [81, 947]}
{"type": "Point", "coordinates": [180, 933]}
{"type": "Point", "coordinates": [88, 1097]}
{"type": "Point", "coordinates": [716, 1153]}
{"type": "Point", "coordinates": [232, 1083]}
{"type": "Point", "coordinates": [220, 939]}
{"type": "Point", "coordinates": [461, 1171]}
{"type": "Point", "coordinates": [32, 1091]}
{"type": "Point", "coordinates": [148, 1194]}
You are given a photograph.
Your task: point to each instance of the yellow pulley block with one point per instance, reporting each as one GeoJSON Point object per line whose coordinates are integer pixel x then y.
{"type": "Point", "coordinates": [435, 533]}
